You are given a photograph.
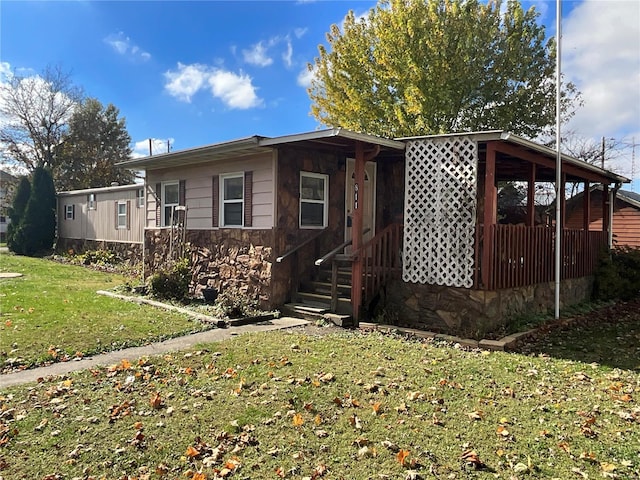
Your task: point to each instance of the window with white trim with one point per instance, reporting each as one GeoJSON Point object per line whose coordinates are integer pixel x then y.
{"type": "Point", "coordinates": [170, 200]}
{"type": "Point", "coordinates": [122, 214]}
{"type": "Point", "coordinates": [140, 197]}
{"type": "Point", "coordinates": [232, 200]}
{"type": "Point", "coordinates": [68, 212]}
{"type": "Point", "coordinates": [314, 193]}
{"type": "Point", "coordinates": [92, 201]}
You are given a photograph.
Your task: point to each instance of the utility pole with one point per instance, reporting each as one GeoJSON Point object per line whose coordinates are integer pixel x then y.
{"type": "Point", "coordinates": [150, 147]}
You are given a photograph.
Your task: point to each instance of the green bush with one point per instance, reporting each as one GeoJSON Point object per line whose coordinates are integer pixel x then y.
{"type": "Point", "coordinates": [618, 275]}
{"type": "Point", "coordinates": [172, 282]}
{"type": "Point", "coordinates": [16, 212]}
{"type": "Point", "coordinates": [235, 304]}
{"type": "Point", "coordinates": [99, 257]}
{"type": "Point", "coordinates": [37, 228]}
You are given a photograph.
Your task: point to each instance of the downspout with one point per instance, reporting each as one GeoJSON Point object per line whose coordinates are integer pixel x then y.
{"type": "Point", "coordinates": [612, 199]}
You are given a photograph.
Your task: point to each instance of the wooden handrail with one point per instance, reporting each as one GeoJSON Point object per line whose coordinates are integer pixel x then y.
{"type": "Point", "coordinates": [337, 250]}
{"type": "Point", "coordinates": [298, 247]}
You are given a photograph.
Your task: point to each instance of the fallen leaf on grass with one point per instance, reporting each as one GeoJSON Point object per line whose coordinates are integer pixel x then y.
{"type": "Point", "coordinates": [298, 420]}
{"type": "Point", "coordinates": [472, 458]}
{"type": "Point", "coordinates": [401, 456]}
{"type": "Point", "coordinates": [355, 422]}
{"type": "Point", "coordinates": [192, 452]}
{"type": "Point", "coordinates": [156, 401]}
{"type": "Point", "coordinates": [475, 415]}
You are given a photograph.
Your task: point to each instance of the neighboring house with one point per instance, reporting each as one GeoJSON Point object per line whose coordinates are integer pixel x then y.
{"type": "Point", "coordinates": [354, 224]}
{"type": "Point", "coordinates": [98, 218]}
{"type": "Point", "coordinates": [626, 215]}
{"type": "Point", "coordinates": [8, 184]}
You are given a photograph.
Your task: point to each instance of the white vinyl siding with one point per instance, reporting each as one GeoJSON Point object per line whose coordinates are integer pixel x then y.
{"type": "Point", "coordinates": [101, 223]}
{"type": "Point", "coordinates": [199, 190]}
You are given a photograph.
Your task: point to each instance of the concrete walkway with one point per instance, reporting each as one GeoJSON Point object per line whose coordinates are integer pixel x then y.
{"type": "Point", "coordinates": [131, 354]}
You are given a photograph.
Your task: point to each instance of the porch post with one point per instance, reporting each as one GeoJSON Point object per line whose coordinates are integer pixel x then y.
{"type": "Point", "coordinates": [586, 206]}
{"type": "Point", "coordinates": [531, 196]}
{"type": "Point", "coordinates": [490, 214]}
{"type": "Point", "coordinates": [356, 232]}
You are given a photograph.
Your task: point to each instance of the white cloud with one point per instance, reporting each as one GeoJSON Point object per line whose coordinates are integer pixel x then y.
{"type": "Point", "coordinates": [300, 32]}
{"type": "Point", "coordinates": [601, 55]}
{"type": "Point", "coordinates": [122, 45]}
{"type": "Point", "coordinates": [288, 54]}
{"type": "Point", "coordinates": [186, 81]}
{"type": "Point", "coordinates": [235, 90]}
{"type": "Point", "coordinates": [257, 55]}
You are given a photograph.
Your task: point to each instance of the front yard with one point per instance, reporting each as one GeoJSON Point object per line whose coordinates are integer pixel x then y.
{"type": "Point", "coordinates": [52, 313]}
{"type": "Point", "coordinates": [345, 405]}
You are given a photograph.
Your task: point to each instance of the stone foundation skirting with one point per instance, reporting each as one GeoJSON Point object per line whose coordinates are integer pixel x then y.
{"type": "Point", "coordinates": [223, 259]}
{"type": "Point", "coordinates": [130, 253]}
{"type": "Point", "coordinates": [475, 313]}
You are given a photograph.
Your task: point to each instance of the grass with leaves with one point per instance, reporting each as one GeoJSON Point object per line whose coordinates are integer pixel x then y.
{"type": "Point", "coordinates": [52, 313]}
{"type": "Point", "coordinates": [350, 405]}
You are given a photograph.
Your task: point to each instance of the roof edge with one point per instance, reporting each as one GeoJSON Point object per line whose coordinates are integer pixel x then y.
{"type": "Point", "coordinates": [113, 188]}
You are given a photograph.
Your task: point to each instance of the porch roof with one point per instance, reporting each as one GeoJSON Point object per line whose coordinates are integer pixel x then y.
{"type": "Point", "coordinates": [328, 139]}
{"type": "Point", "coordinates": [520, 151]}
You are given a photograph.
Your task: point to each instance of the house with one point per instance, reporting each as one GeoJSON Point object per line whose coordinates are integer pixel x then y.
{"type": "Point", "coordinates": [348, 223]}
{"type": "Point", "coordinates": [102, 218]}
{"type": "Point", "coordinates": [8, 184]}
{"type": "Point", "coordinates": [625, 215]}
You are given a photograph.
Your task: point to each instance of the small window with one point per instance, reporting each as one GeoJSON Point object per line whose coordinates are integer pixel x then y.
{"type": "Point", "coordinates": [170, 200]}
{"type": "Point", "coordinates": [68, 212]}
{"type": "Point", "coordinates": [92, 201]}
{"type": "Point", "coordinates": [313, 200]}
{"type": "Point", "coordinates": [122, 214]}
{"type": "Point", "coordinates": [232, 200]}
{"type": "Point", "coordinates": [140, 197]}
{"type": "Point", "coordinates": [3, 219]}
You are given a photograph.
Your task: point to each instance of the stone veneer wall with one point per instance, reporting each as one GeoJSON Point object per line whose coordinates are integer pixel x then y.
{"type": "Point", "coordinates": [474, 313]}
{"type": "Point", "coordinates": [130, 252]}
{"type": "Point", "coordinates": [224, 258]}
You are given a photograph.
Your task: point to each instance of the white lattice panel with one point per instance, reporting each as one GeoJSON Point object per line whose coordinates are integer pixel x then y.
{"type": "Point", "coordinates": [440, 211]}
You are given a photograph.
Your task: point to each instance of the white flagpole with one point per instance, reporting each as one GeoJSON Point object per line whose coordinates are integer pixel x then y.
{"type": "Point", "coordinates": [558, 242]}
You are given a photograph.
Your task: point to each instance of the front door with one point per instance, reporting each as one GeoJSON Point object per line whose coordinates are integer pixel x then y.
{"type": "Point", "coordinates": [368, 198]}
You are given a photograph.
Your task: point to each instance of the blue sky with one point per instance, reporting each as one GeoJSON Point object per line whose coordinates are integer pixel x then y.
{"type": "Point", "coordinates": [203, 72]}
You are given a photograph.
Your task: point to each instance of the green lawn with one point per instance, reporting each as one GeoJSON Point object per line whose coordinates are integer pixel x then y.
{"type": "Point", "coordinates": [53, 313]}
{"type": "Point", "coordinates": [349, 405]}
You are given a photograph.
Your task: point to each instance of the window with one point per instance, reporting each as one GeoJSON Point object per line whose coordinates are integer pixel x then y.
{"type": "Point", "coordinates": [92, 201]}
{"type": "Point", "coordinates": [170, 200]}
{"type": "Point", "coordinates": [122, 215]}
{"type": "Point", "coordinates": [140, 197]}
{"type": "Point", "coordinates": [232, 200]}
{"type": "Point", "coordinates": [3, 219]}
{"type": "Point", "coordinates": [313, 200]}
{"type": "Point", "coordinates": [68, 212]}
